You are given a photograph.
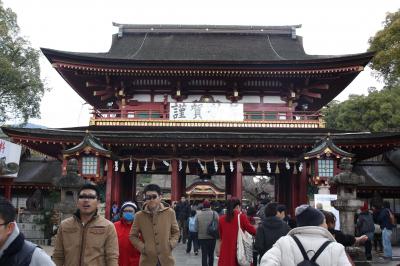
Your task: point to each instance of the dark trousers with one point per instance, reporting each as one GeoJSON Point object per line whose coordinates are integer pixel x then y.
{"type": "Point", "coordinates": [192, 238]}
{"type": "Point", "coordinates": [183, 231]}
{"type": "Point", "coordinates": [368, 249]}
{"type": "Point", "coordinates": [207, 251]}
{"type": "Point", "coordinates": [378, 242]}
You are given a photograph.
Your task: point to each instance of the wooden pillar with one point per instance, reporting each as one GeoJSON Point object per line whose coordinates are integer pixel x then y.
{"type": "Point", "coordinates": [238, 182]}
{"type": "Point", "coordinates": [293, 193]}
{"type": "Point", "coordinates": [134, 176]}
{"type": "Point", "coordinates": [302, 186]}
{"type": "Point", "coordinates": [109, 185]}
{"type": "Point", "coordinates": [175, 193]}
{"type": "Point", "coordinates": [117, 188]}
{"type": "Point", "coordinates": [64, 167]}
{"type": "Point", "coordinates": [228, 183]}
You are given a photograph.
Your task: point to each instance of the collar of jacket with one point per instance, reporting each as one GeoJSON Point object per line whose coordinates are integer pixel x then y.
{"type": "Point", "coordinates": [14, 235]}
{"type": "Point", "coordinates": [163, 206]}
{"type": "Point", "coordinates": [77, 216]}
{"type": "Point", "coordinates": [312, 230]}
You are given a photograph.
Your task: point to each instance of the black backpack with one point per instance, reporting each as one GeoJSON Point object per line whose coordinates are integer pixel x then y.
{"type": "Point", "coordinates": [307, 261]}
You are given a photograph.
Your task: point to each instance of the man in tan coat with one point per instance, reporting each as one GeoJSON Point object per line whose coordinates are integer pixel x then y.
{"type": "Point", "coordinates": [155, 231]}
{"type": "Point", "coordinates": [86, 238]}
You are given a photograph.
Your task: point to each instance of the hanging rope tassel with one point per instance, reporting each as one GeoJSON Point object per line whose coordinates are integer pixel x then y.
{"type": "Point", "coordinates": [187, 171]}
{"type": "Point", "coordinates": [137, 167]}
{"type": "Point", "coordinates": [258, 168]}
{"type": "Point", "coordinates": [222, 168]}
{"type": "Point", "coordinates": [277, 169]}
{"type": "Point", "coordinates": [153, 166]}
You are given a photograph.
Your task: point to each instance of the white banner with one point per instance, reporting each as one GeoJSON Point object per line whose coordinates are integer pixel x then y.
{"type": "Point", "coordinates": [325, 200]}
{"type": "Point", "coordinates": [9, 153]}
{"type": "Point", "coordinates": [206, 111]}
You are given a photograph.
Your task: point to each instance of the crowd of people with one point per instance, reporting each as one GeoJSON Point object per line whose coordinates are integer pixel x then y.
{"type": "Point", "coordinates": [148, 235]}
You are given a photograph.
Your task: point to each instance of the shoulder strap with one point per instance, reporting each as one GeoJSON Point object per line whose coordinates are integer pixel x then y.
{"type": "Point", "coordinates": [305, 256]}
{"type": "Point", "coordinates": [320, 250]}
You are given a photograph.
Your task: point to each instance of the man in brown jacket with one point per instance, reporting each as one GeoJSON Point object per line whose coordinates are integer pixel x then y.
{"type": "Point", "coordinates": [158, 228]}
{"type": "Point", "coordinates": [86, 238]}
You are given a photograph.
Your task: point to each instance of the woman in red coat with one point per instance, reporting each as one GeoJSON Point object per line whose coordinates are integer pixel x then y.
{"type": "Point", "coordinates": [128, 254]}
{"type": "Point", "coordinates": [228, 231]}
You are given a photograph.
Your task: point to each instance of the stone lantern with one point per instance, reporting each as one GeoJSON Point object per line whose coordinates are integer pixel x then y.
{"type": "Point", "coordinates": [346, 183]}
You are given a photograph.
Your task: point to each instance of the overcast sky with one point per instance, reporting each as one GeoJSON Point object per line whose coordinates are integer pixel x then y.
{"type": "Point", "coordinates": [328, 27]}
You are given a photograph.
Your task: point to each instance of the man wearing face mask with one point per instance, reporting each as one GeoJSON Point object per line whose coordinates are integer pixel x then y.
{"type": "Point", "coordinates": [128, 254]}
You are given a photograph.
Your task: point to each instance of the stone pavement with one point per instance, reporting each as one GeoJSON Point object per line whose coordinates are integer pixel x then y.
{"type": "Point", "coordinates": [183, 259]}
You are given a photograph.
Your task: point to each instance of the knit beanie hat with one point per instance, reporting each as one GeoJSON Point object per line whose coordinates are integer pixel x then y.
{"type": "Point", "coordinates": [129, 204]}
{"type": "Point", "coordinates": [308, 216]}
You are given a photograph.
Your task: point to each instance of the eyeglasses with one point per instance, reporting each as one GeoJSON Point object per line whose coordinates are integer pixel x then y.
{"type": "Point", "coordinates": [88, 197]}
{"type": "Point", "coordinates": [151, 197]}
{"type": "Point", "coordinates": [4, 224]}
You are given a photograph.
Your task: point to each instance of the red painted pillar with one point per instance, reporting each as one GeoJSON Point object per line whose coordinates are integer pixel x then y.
{"type": "Point", "coordinates": [109, 185]}
{"type": "Point", "coordinates": [238, 181]}
{"type": "Point", "coordinates": [117, 188]}
{"type": "Point", "coordinates": [175, 193]}
{"type": "Point", "coordinates": [64, 167]}
{"type": "Point", "coordinates": [7, 191]}
{"type": "Point", "coordinates": [293, 193]}
{"type": "Point", "coordinates": [302, 196]}
{"type": "Point", "coordinates": [134, 182]}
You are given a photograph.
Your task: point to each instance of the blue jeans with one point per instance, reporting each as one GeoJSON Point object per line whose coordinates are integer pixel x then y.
{"type": "Point", "coordinates": [386, 242]}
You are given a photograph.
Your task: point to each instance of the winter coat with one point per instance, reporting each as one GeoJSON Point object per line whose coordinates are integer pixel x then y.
{"type": "Point", "coordinates": [182, 211]}
{"type": "Point", "coordinates": [365, 224]}
{"type": "Point", "coordinates": [228, 232]}
{"type": "Point", "coordinates": [342, 238]}
{"type": "Point", "coordinates": [384, 219]}
{"type": "Point", "coordinates": [17, 251]}
{"type": "Point", "coordinates": [94, 243]}
{"type": "Point", "coordinates": [128, 254]}
{"type": "Point", "coordinates": [159, 235]}
{"type": "Point", "coordinates": [285, 251]}
{"type": "Point", "coordinates": [203, 219]}
{"type": "Point", "coordinates": [269, 232]}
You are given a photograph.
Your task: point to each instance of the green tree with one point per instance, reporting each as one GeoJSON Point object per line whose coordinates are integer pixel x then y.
{"type": "Point", "coordinates": [380, 110]}
{"type": "Point", "coordinates": [386, 44]}
{"type": "Point", "coordinates": [21, 88]}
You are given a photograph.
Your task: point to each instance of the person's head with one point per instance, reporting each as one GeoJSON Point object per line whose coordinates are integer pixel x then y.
{"type": "Point", "coordinates": [271, 209]}
{"type": "Point", "coordinates": [251, 211]}
{"type": "Point", "coordinates": [330, 219]}
{"type": "Point", "coordinates": [319, 206]}
{"type": "Point", "coordinates": [232, 204]}
{"type": "Point", "coordinates": [88, 199]}
{"type": "Point", "coordinates": [7, 218]}
{"type": "Point", "coordinates": [386, 204]}
{"type": "Point", "coordinates": [365, 207]}
{"type": "Point", "coordinates": [183, 199]}
{"type": "Point", "coordinates": [128, 210]}
{"type": "Point", "coordinates": [192, 213]}
{"type": "Point", "coordinates": [152, 195]}
{"type": "Point", "coordinates": [309, 216]}
{"type": "Point", "coordinates": [281, 211]}
{"type": "Point", "coordinates": [206, 204]}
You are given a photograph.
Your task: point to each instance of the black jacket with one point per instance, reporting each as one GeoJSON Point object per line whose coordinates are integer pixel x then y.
{"type": "Point", "coordinates": [269, 232]}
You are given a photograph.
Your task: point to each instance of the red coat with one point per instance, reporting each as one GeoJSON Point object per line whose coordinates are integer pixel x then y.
{"type": "Point", "coordinates": [128, 254]}
{"type": "Point", "coordinates": [228, 232]}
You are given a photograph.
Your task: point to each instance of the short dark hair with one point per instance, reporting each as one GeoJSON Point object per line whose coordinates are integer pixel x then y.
{"type": "Point", "coordinates": [7, 210]}
{"type": "Point", "coordinates": [271, 209]}
{"type": "Point", "coordinates": [91, 187]}
{"type": "Point", "coordinates": [281, 208]}
{"type": "Point", "coordinates": [152, 187]}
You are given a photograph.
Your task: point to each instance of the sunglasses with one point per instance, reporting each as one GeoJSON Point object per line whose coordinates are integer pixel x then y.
{"type": "Point", "coordinates": [89, 197]}
{"type": "Point", "coordinates": [151, 197]}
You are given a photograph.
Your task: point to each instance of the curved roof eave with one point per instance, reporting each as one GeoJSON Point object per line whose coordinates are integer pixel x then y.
{"type": "Point", "coordinates": [101, 59]}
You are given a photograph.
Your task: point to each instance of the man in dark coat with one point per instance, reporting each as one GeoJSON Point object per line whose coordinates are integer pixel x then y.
{"type": "Point", "coordinates": [271, 230]}
{"type": "Point", "coordinates": [182, 211]}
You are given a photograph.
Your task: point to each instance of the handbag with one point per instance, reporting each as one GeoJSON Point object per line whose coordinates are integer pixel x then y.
{"type": "Point", "coordinates": [244, 246]}
{"type": "Point", "coordinates": [212, 228]}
